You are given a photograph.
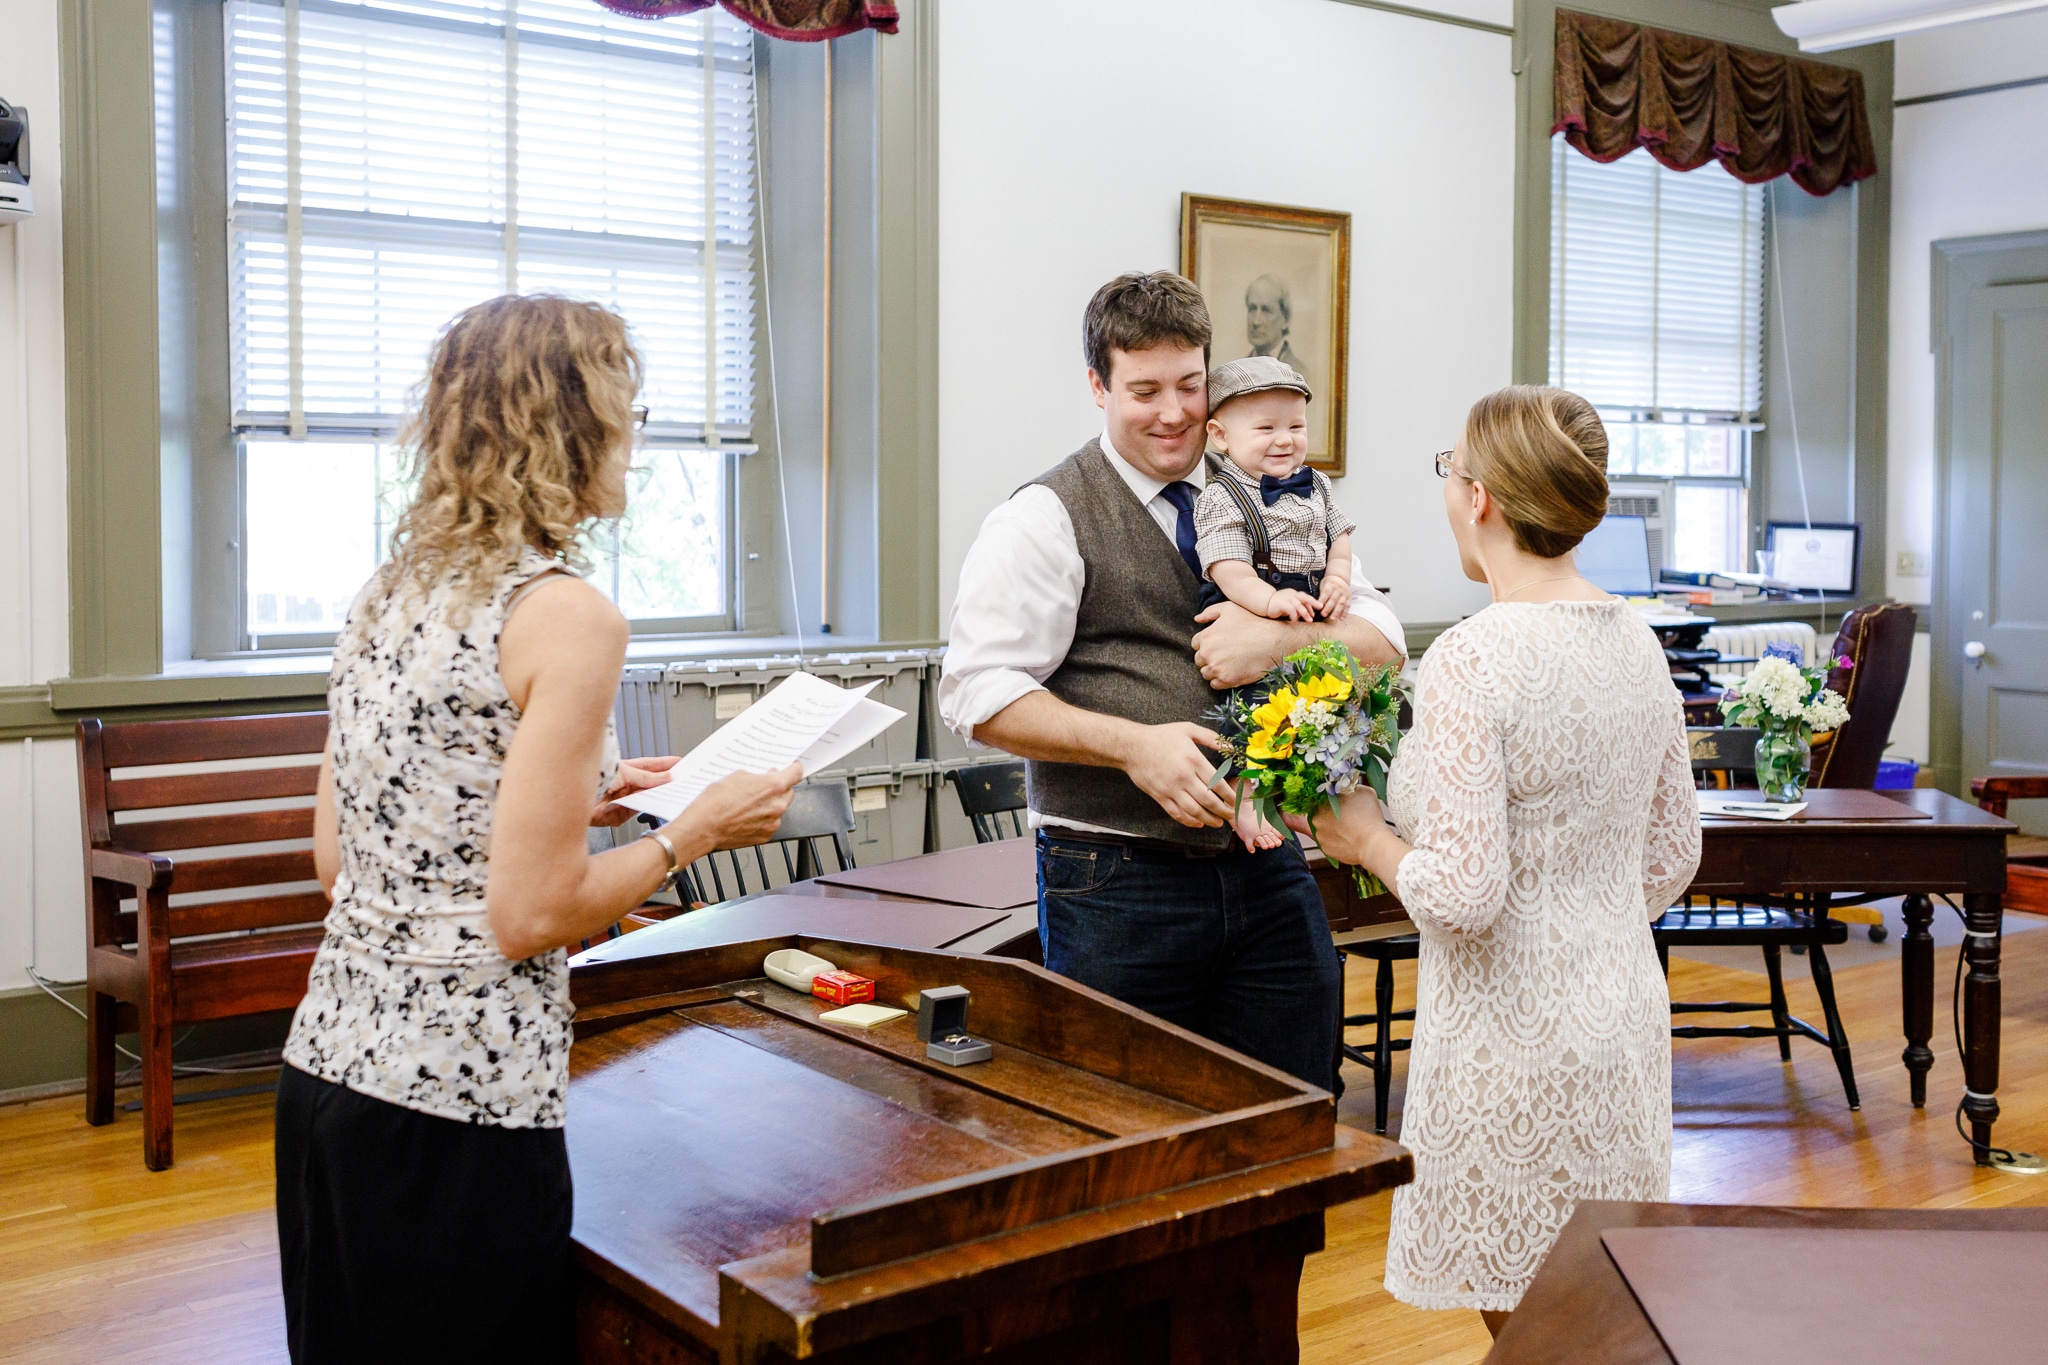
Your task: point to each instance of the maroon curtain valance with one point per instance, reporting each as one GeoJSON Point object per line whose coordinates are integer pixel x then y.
{"type": "Point", "coordinates": [803, 21]}
{"type": "Point", "coordinates": [1619, 86]}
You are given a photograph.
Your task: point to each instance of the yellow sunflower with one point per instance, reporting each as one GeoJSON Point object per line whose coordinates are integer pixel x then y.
{"type": "Point", "coordinates": [1275, 712]}
{"type": "Point", "coordinates": [1325, 687]}
{"type": "Point", "coordinates": [1265, 745]}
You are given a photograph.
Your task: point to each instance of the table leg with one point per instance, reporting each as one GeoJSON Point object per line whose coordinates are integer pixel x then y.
{"type": "Point", "coordinates": [1916, 990]}
{"type": "Point", "coordinates": [1984, 919]}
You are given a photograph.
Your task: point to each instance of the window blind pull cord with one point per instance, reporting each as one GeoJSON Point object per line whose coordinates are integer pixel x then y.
{"type": "Point", "coordinates": [825, 399]}
{"type": "Point", "coordinates": [764, 230]}
{"type": "Point", "coordinates": [294, 231]}
{"type": "Point", "coordinates": [708, 65]}
{"type": "Point", "coordinates": [1791, 393]}
{"type": "Point", "coordinates": [511, 146]}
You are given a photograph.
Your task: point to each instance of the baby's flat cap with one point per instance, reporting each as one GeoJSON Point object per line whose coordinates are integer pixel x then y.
{"type": "Point", "coordinates": [1253, 374]}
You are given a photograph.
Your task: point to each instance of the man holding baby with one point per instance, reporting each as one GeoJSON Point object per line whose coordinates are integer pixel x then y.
{"type": "Point", "coordinates": [1080, 642]}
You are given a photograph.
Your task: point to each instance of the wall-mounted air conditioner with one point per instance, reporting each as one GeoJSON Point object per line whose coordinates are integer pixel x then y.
{"type": "Point", "coordinates": [1648, 501]}
{"type": "Point", "coordinates": [17, 200]}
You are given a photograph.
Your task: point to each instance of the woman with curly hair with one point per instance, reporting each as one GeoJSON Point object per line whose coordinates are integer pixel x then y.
{"type": "Point", "coordinates": [423, 1198]}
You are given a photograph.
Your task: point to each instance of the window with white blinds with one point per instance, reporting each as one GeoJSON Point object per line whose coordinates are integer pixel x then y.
{"type": "Point", "coordinates": [1656, 317]}
{"type": "Point", "coordinates": [390, 164]}
{"type": "Point", "coordinates": [1656, 286]}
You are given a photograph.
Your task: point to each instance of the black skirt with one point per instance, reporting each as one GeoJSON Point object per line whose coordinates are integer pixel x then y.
{"type": "Point", "coordinates": [404, 1236]}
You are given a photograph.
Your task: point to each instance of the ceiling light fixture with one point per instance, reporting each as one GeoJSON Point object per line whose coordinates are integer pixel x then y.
{"type": "Point", "coordinates": [1825, 25]}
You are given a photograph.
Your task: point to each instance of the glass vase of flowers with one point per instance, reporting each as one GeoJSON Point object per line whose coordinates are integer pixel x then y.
{"type": "Point", "coordinates": [1788, 704]}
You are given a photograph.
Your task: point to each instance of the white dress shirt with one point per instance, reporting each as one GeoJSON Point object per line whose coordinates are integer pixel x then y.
{"type": "Point", "coordinates": [1020, 594]}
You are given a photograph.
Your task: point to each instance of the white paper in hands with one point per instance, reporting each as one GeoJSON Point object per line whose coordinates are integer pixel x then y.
{"type": "Point", "coordinates": [804, 718]}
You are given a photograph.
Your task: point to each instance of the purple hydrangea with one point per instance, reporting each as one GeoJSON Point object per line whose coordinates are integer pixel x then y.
{"type": "Point", "coordinates": [1786, 650]}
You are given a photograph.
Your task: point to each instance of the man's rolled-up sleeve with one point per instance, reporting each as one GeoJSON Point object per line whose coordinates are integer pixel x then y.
{"type": "Point", "coordinates": [1013, 618]}
{"type": "Point", "coordinates": [1370, 605]}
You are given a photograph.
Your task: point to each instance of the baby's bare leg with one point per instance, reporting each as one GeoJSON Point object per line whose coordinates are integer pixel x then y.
{"type": "Point", "coordinates": [1255, 833]}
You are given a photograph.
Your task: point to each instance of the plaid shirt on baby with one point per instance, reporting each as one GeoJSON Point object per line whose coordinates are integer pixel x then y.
{"type": "Point", "coordinates": [1299, 529]}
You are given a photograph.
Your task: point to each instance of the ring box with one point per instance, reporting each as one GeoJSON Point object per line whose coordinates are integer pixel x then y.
{"type": "Point", "coordinates": [843, 988]}
{"type": "Point", "coordinates": [942, 1027]}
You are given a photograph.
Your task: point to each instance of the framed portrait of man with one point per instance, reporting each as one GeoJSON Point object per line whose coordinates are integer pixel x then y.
{"type": "Point", "coordinates": [1278, 282]}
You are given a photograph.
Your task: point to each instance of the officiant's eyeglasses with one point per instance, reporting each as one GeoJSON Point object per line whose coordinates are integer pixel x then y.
{"type": "Point", "coordinates": [640, 419]}
{"type": "Point", "coordinates": [1443, 463]}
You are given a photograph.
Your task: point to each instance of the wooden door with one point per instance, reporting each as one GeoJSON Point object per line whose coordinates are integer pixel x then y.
{"type": "Point", "coordinates": [1996, 402]}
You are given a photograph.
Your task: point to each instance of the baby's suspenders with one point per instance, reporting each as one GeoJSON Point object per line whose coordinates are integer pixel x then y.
{"type": "Point", "coordinates": [1254, 523]}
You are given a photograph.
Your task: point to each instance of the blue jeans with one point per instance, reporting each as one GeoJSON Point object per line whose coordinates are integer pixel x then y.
{"type": "Point", "coordinates": [1234, 946]}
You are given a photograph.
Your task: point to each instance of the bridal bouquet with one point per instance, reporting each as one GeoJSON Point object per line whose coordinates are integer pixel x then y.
{"type": "Point", "coordinates": [1787, 704]}
{"type": "Point", "coordinates": [1309, 732]}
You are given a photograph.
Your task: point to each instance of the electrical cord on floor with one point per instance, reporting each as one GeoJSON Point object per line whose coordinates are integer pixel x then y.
{"type": "Point", "coordinates": [128, 1077]}
{"type": "Point", "coordinates": [1955, 1015]}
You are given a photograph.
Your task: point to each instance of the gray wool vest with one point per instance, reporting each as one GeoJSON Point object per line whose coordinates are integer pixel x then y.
{"type": "Point", "coordinates": [1133, 653]}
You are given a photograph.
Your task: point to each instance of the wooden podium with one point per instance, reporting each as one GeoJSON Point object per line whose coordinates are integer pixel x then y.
{"type": "Point", "coordinates": [753, 1184]}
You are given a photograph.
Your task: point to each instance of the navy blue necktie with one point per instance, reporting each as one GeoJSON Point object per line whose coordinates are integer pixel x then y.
{"type": "Point", "coordinates": [1181, 494]}
{"type": "Point", "coordinates": [1301, 483]}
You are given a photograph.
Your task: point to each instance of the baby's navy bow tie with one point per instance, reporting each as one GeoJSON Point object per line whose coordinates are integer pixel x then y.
{"type": "Point", "coordinates": [1301, 483]}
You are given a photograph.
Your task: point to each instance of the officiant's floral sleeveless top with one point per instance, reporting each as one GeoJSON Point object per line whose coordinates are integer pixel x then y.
{"type": "Point", "coordinates": [410, 1000]}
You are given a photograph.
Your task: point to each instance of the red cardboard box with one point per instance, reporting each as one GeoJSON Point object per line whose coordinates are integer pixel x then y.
{"type": "Point", "coordinates": [843, 988]}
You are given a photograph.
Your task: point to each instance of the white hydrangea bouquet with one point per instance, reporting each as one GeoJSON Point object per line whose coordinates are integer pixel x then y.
{"type": "Point", "coordinates": [1789, 704]}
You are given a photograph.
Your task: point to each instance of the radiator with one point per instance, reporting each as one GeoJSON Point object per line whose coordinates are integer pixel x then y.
{"type": "Point", "coordinates": [1749, 641]}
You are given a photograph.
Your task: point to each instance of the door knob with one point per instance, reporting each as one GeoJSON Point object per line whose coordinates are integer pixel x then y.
{"type": "Point", "coordinates": [1974, 650]}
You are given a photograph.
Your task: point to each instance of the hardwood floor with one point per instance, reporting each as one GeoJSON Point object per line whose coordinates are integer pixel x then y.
{"type": "Point", "coordinates": [102, 1261]}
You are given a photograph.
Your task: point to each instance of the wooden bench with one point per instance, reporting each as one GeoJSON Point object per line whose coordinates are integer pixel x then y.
{"type": "Point", "coordinates": [152, 964]}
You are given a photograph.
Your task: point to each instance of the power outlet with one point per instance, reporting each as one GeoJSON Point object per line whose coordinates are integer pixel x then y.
{"type": "Point", "coordinates": [1914, 564]}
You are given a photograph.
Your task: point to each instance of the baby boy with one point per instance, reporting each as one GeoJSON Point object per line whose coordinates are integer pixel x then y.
{"type": "Point", "coordinates": [1268, 530]}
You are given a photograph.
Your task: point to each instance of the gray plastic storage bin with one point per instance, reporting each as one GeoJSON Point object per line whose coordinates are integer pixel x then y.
{"type": "Point", "coordinates": [641, 716]}
{"type": "Point", "coordinates": [940, 744]}
{"type": "Point", "coordinates": [901, 674]}
{"type": "Point", "coordinates": [704, 695]}
{"type": "Point", "coordinates": [889, 804]}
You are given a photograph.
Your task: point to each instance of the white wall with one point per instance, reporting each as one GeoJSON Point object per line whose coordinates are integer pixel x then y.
{"type": "Point", "coordinates": [1960, 168]}
{"type": "Point", "coordinates": [39, 864]}
{"type": "Point", "coordinates": [1065, 146]}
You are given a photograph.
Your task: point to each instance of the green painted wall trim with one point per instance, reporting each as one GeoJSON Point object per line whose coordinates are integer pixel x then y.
{"type": "Point", "coordinates": [110, 337]}
{"type": "Point", "coordinates": [45, 1042]}
{"type": "Point", "coordinates": [50, 712]}
{"type": "Point", "coordinates": [1433, 16]}
{"type": "Point", "coordinates": [907, 200]}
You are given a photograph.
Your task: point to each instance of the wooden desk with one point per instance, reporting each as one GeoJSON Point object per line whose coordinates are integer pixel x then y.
{"type": "Point", "coordinates": [1580, 1309]}
{"type": "Point", "coordinates": [756, 1185]}
{"type": "Point", "coordinates": [1959, 851]}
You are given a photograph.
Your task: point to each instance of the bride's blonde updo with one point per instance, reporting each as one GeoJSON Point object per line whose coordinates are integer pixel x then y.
{"type": "Point", "coordinates": [1542, 454]}
{"type": "Point", "coordinates": [521, 431]}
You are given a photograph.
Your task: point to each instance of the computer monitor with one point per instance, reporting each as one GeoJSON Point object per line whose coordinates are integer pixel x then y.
{"type": "Point", "coordinates": [1820, 557]}
{"type": "Point", "coordinates": [1615, 557]}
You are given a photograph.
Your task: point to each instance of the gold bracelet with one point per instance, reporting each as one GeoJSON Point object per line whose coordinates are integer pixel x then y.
{"type": "Point", "coordinates": [666, 847]}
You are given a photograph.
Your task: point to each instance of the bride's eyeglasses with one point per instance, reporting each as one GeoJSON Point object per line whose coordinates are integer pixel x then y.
{"type": "Point", "coordinates": [1443, 463]}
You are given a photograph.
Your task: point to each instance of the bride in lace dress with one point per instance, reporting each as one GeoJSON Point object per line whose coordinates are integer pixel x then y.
{"type": "Point", "coordinates": [1544, 816]}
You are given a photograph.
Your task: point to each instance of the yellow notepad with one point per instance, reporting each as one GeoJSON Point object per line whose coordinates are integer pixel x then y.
{"type": "Point", "coordinates": [862, 1016]}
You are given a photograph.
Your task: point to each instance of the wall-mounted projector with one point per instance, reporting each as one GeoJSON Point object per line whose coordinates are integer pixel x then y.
{"type": "Point", "coordinates": [17, 201]}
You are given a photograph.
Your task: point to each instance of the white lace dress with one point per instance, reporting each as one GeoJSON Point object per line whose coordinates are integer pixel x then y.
{"type": "Point", "coordinates": [1547, 794]}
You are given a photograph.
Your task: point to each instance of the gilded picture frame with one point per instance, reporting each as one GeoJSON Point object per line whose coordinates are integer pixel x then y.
{"type": "Point", "coordinates": [1277, 280]}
